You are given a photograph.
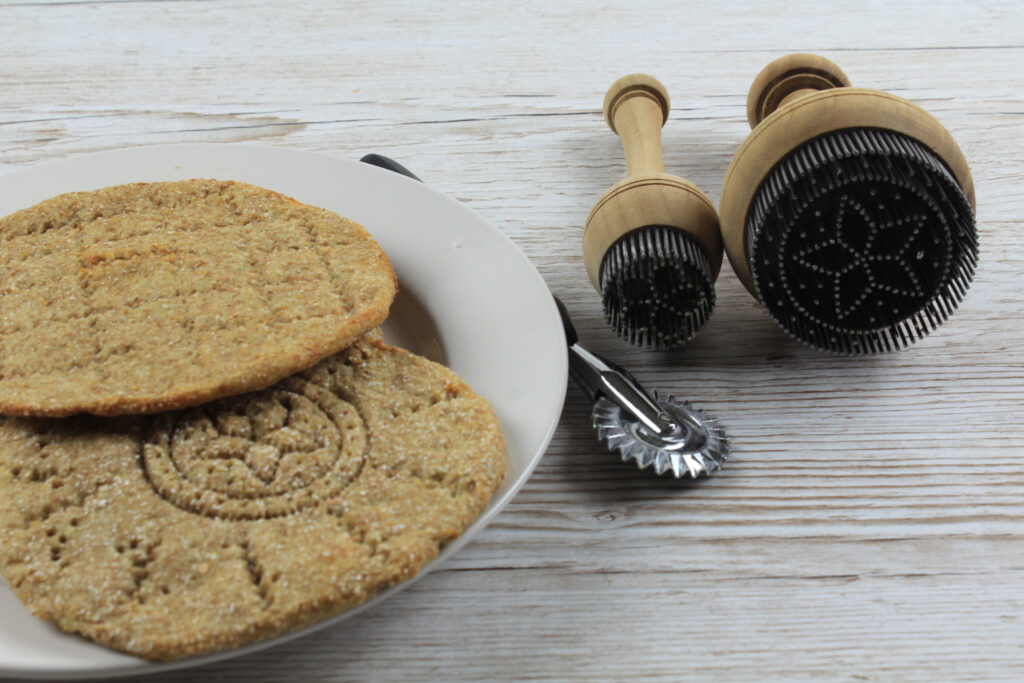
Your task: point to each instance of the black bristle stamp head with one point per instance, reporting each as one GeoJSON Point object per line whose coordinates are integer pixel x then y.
{"type": "Point", "coordinates": [861, 241]}
{"type": "Point", "coordinates": [657, 287]}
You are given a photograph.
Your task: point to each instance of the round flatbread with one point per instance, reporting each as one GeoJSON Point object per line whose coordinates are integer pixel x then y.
{"type": "Point", "coordinates": [147, 297]}
{"type": "Point", "coordinates": [201, 530]}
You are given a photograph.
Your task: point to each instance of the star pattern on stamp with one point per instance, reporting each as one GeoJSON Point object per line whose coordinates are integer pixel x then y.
{"type": "Point", "coordinates": [866, 254]}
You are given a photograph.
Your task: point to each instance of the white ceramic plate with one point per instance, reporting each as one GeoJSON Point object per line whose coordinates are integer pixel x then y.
{"type": "Point", "coordinates": [470, 299]}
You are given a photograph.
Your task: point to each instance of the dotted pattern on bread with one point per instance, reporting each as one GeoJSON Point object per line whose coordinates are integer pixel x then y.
{"type": "Point", "coordinates": [148, 297]}
{"type": "Point", "coordinates": [302, 500]}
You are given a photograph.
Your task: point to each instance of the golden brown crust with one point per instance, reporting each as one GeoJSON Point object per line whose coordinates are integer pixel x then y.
{"type": "Point", "coordinates": [281, 507]}
{"type": "Point", "coordinates": [150, 297]}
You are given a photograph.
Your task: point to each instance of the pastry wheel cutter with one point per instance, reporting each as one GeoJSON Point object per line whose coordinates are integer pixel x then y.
{"type": "Point", "coordinates": [662, 433]}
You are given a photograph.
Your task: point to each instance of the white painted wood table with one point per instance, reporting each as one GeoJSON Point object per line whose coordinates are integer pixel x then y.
{"type": "Point", "coordinates": [870, 524]}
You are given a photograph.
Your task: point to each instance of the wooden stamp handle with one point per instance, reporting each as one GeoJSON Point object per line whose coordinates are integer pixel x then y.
{"type": "Point", "coordinates": [788, 79]}
{"type": "Point", "coordinates": [636, 107]}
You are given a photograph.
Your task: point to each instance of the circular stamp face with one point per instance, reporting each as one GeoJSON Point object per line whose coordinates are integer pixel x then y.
{"type": "Point", "coordinates": [861, 241]}
{"type": "Point", "coordinates": [264, 455]}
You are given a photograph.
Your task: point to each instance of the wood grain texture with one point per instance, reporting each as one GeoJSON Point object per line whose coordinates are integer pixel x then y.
{"type": "Point", "coordinates": [870, 525]}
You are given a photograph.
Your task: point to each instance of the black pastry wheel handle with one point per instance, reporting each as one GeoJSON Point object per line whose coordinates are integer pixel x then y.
{"type": "Point", "coordinates": [388, 163]}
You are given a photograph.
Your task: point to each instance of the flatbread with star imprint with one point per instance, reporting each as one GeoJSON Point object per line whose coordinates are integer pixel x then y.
{"type": "Point", "coordinates": [200, 530]}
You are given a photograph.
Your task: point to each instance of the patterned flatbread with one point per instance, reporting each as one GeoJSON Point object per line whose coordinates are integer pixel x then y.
{"type": "Point", "coordinates": [200, 530]}
{"type": "Point", "coordinates": [148, 297]}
